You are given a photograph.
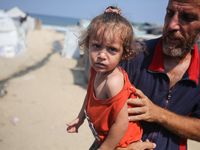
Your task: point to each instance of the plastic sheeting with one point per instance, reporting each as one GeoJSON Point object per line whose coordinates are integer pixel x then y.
{"type": "Point", "coordinates": [70, 47]}
{"type": "Point", "coordinates": [12, 37]}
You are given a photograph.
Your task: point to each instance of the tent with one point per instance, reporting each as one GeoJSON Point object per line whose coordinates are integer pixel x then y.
{"type": "Point", "coordinates": [12, 38]}
{"type": "Point", "coordinates": [30, 22]}
{"type": "Point", "coordinates": [70, 47]}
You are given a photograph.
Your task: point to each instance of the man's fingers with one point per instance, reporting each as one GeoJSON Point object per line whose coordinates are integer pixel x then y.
{"type": "Point", "coordinates": [149, 145]}
{"type": "Point", "coordinates": [141, 146]}
{"type": "Point", "coordinates": [139, 93]}
{"type": "Point", "coordinates": [136, 117]}
{"type": "Point", "coordinates": [136, 110]}
{"type": "Point", "coordinates": [147, 140]}
{"type": "Point", "coordinates": [135, 102]}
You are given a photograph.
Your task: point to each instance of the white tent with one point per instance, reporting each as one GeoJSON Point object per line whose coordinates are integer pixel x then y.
{"type": "Point", "coordinates": [70, 47]}
{"type": "Point", "coordinates": [29, 24]}
{"type": "Point", "coordinates": [12, 39]}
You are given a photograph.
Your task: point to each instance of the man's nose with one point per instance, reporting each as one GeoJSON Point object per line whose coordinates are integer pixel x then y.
{"type": "Point", "coordinates": [174, 24]}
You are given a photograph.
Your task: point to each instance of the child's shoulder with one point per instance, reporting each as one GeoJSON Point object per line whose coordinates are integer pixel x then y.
{"type": "Point", "coordinates": [116, 75]}
{"type": "Point", "coordinates": [115, 82]}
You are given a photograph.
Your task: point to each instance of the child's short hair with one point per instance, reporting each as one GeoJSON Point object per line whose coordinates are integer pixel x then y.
{"type": "Point", "coordinates": [112, 21]}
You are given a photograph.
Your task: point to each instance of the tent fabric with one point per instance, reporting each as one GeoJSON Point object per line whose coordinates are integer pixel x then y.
{"type": "Point", "coordinates": [70, 47]}
{"type": "Point", "coordinates": [12, 37]}
{"type": "Point", "coordinates": [16, 12]}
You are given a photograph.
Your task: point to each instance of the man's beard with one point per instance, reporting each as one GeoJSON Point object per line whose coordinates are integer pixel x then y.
{"type": "Point", "coordinates": [178, 50]}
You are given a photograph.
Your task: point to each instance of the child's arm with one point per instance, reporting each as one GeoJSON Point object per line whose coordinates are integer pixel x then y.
{"type": "Point", "coordinates": [75, 124]}
{"type": "Point", "coordinates": [117, 131]}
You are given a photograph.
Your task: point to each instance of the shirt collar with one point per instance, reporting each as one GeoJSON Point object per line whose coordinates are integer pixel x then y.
{"type": "Point", "coordinates": [158, 66]}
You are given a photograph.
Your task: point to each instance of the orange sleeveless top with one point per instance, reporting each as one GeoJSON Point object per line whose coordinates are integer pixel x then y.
{"type": "Point", "coordinates": [102, 113]}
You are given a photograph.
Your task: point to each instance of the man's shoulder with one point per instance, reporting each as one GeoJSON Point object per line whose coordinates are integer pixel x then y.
{"type": "Point", "coordinates": [151, 44]}
{"type": "Point", "coordinates": [150, 48]}
{"type": "Point", "coordinates": [142, 59]}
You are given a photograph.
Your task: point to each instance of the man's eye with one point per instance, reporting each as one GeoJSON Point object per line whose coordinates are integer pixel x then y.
{"type": "Point", "coordinates": [189, 17]}
{"type": "Point", "coordinates": [169, 13]}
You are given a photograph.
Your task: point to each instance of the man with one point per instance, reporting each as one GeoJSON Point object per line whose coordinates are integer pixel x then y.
{"type": "Point", "coordinates": [168, 79]}
{"type": "Point", "coordinates": [168, 75]}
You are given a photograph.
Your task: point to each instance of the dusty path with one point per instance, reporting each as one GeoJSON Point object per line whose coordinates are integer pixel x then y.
{"type": "Point", "coordinates": [44, 91]}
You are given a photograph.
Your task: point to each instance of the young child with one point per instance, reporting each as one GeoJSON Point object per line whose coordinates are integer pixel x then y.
{"type": "Point", "coordinates": [109, 38]}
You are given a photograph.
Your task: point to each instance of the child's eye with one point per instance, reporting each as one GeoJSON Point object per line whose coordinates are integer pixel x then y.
{"type": "Point", "coordinates": [96, 46]}
{"type": "Point", "coordinates": [112, 49]}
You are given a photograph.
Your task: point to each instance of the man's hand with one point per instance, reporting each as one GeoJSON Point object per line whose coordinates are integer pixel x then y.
{"type": "Point", "coordinates": [144, 110]}
{"type": "Point", "coordinates": [185, 127]}
{"type": "Point", "coordinates": [139, 146]}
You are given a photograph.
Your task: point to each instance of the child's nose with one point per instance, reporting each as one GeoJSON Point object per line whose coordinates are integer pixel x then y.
{"type": "Point", "coordinates": [102, 54]}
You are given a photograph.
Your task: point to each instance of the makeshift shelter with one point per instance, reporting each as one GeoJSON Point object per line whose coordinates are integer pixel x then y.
{"type": "Point", "coordinates": [12, 38]}
{"type": "Point", "coordinates": [70, 47]}
{"type": "Point", "coordinates": [28, 24]}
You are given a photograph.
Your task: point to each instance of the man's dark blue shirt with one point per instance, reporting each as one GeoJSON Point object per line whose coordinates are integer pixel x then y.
{"type": "Point", "coordinates": [146, 72]}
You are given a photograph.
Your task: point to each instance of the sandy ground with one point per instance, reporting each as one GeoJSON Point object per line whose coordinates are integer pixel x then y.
{"type": "Point", "coordinates": [39, 102]}
{"type": "Point", "coordinates": [42, 92]}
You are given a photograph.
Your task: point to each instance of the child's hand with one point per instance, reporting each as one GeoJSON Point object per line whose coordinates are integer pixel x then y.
{"type": "Point", "coordinates": [73, 126]}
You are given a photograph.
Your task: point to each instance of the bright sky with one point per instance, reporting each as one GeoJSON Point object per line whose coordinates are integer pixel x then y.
{"type": "Point", "coordinates": [152, 11]}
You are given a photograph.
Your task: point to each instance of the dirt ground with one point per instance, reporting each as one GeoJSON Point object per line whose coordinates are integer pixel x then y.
{"type": "Point", "coordinates": [42, 92]}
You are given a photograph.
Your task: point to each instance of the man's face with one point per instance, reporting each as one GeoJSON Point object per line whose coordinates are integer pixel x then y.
{"type": "Point", "coordinates": [182, 27]}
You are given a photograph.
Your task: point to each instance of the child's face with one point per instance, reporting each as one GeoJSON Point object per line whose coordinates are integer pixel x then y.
{"type": "Point", "coordinates": [105, 51]}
